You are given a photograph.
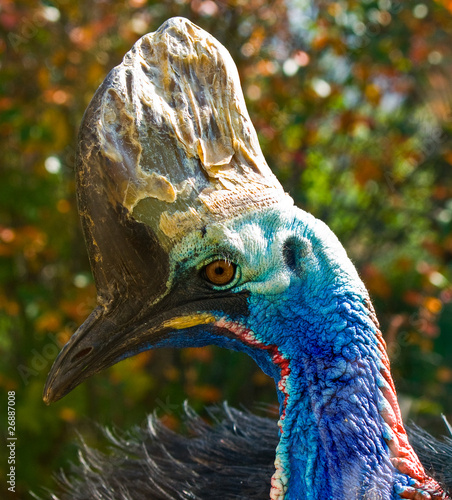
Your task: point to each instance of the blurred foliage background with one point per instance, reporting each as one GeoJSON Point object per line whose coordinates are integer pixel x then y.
{"type": "Point", "coordinates": [352, 102]}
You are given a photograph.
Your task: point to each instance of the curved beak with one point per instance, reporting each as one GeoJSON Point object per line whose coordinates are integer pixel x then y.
{"type": "Point", "coordinates": [132, 325]}
{"type": "Point", "coordinates": [101, 341]}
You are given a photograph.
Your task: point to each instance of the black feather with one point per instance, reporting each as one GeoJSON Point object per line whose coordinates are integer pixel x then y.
{"type": "Point", "coordinates": [435, 454]}
{"type": "Point", "coordinates": [230, 459]}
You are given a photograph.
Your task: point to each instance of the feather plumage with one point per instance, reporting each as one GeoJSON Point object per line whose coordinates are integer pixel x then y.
{"type": "Point", "coordinates": [435, 454]}
{"type": "Point", "coordinates": [232, 458]}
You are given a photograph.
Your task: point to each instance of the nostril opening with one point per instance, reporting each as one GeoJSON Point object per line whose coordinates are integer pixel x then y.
{"type": "Point", "coordinates": [81, 354]}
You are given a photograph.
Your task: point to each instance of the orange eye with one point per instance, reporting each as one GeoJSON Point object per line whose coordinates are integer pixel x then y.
{"type": "Point", "coordinates": [220, 272]}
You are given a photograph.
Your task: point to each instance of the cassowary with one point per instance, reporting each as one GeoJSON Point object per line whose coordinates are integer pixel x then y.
{"type": "Point", "coordinates": [192, 241]}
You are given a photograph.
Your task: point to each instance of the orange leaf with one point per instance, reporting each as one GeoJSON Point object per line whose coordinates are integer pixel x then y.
{"type": "Point", "coordinates": [48, 322]}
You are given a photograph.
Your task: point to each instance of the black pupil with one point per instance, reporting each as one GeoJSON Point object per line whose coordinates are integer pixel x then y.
{"type": "Point", "coordinates": [219, 270]}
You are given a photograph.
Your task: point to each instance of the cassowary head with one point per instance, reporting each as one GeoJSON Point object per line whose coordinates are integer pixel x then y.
{"type": "Point", "coordinates": [192, 241]}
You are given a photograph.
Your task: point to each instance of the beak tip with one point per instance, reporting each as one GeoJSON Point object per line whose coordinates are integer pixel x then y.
{"type": "Point", "coordinates": [48, 395]}
{"type": "Point", "coordinates": [53, 389]}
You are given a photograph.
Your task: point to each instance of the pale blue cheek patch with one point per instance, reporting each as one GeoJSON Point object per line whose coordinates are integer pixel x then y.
{"type": "Point", "coordinates": [274, 283]}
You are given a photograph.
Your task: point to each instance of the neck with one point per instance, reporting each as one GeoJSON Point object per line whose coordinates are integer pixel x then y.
{"type": "Point", "coordinates": [341, 432]}
{"type": "Point", "coordinates": [335, 442]}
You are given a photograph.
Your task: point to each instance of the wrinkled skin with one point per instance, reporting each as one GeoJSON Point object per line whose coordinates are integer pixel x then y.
{"type": "Point", "coordinates": [298, 307]}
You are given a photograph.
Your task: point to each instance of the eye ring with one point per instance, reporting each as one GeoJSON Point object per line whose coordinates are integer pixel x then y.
{"type": "Point", "coordinates": [220, 272]}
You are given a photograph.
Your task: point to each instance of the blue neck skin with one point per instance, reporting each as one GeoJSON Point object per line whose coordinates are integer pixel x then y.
{"type": "Point", "coordinates": [332, 434]}
{"type": "Point", "coordinates": [309, 316]}
{"type": "Point", "coordinates": [310, 329]}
